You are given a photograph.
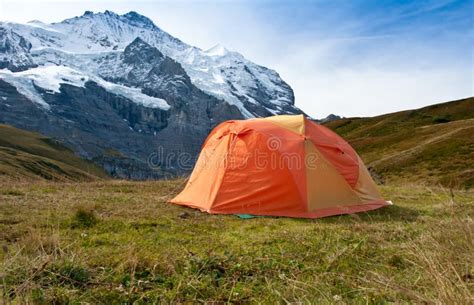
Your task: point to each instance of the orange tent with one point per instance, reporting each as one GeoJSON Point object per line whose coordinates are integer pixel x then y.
{"type": "Point", "coordinates": [279, 166]}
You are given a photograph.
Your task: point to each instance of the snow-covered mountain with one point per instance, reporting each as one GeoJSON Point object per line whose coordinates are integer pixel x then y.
{"type": "Point", "coordinates": [118, 90]}
{"type": "Point", "coordinates": [15, 51]}
{"type": "Point", "coordinates": [80, 41]}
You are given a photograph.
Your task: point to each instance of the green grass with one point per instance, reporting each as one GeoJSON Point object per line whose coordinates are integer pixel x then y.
{"type": "Point", "coordinates": [433, 144]}
{"type": "Point", "coordinates": [132, 247]}
{"type": "Point", "coordinates": [29, 155]}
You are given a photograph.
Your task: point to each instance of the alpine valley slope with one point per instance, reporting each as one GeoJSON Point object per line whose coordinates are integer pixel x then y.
{"type": "Point", "coordinates": [121, 92]}
{"type": "Point", "coordinates": [26, 155]}
{"type": "Point", "coordinates": [431, 145]}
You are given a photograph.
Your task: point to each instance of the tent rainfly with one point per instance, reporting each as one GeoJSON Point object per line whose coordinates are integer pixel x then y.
{"type": "Point", "coordinates": [284, 165]}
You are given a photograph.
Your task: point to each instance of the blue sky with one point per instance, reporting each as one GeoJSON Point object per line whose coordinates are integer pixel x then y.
{"type": "Point", "coordinates": [353, 58]}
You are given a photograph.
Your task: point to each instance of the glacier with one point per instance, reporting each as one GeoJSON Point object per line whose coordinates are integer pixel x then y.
{"type": "Point", "coordinates": [50, 78]}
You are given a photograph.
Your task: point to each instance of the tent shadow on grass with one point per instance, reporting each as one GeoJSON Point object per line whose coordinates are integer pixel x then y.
{"type": "Point", "coordinates": [385, 214]}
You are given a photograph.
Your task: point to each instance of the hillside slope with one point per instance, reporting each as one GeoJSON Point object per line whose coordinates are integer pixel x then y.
{"type": "Point", "coordinates": [25, 154]}
{"type": "Point", "coordinates": [434, 144]}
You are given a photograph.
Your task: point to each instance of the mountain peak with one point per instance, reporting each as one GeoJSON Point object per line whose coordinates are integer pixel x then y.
{"type": "Point", "coordinates": [36, 22]}
{"type": "Point", "coordinates": [139, 50]}
{"type": "Point", "coordinates": [137, 19]}
{"type": "Point", "coordinates": [331, 117]}
{"type": "Point", "coordinates": [138, 43]}
{"type": "Point", "coordinates": [217, 50]}
{"type": "Point", "coordinates": [110, 13]}
{"type": "Point", "coordinates": [132, 18]}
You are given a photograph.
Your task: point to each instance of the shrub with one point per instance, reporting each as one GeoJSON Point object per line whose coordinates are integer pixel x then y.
{"type": "Point", "coordinates": [75, 275]}
{"type": "Point", "coordinates": [441, 119]}
{"type": "Point", "coordinates": [84, 218]}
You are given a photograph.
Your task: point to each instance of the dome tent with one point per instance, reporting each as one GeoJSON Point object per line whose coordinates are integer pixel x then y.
{"type": "Point", "coordinates": [279, 166]}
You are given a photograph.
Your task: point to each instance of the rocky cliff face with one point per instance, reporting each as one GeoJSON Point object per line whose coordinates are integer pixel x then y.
{"type": "Point", "coordinates": [14, 51]}
{"type": "Point", "coordinates": [120, 91]}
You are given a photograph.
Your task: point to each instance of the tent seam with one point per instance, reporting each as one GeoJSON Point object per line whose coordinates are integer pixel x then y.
{"type": "Point", "coordinates": [213, 201]}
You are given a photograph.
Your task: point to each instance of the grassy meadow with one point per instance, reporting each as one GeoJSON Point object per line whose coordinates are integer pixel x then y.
{"type": "Point", "coordinates": [118, 242]}
{"type": "Point", "coordinates": [433, 145]}
{"type": "Point", "coordinates": [32, 156]}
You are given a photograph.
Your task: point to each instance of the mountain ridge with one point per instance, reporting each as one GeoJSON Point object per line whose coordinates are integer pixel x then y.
{"type": "Point", "coordinates": [255, 90]}
{"type": "Point", "coordinates": [103, 81]}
